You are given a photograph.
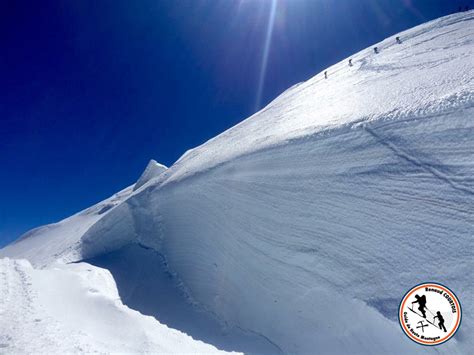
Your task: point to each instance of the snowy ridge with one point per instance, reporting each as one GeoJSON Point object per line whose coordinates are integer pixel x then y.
{"type": "Point", "coordinates": [61, 241]}
{"type": "Point", "coordinates": [152, 170]}
{"type": "Point", "coordinates": [305, 224]}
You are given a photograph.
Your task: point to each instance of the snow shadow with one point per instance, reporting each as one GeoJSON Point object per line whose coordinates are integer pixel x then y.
{"type": "Point", "coordinates": [388, 307]}
{"type": "Point", "coordinates": [145, 285]}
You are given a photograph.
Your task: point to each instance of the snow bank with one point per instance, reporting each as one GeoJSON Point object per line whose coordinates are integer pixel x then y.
{"type": "Point", "coordinates": [76, 309]}
{"type": "Point", "coordinates": [146, 285]}
{"type": "Point", "coordinates": [296, 243]}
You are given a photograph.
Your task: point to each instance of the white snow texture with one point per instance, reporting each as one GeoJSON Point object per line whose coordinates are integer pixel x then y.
{"type": "Point", "coordinates": [298, 230]}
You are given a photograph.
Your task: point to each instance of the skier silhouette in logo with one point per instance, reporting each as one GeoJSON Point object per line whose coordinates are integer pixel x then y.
{"type": "Point", "coordinates": [440, 320]}
{"type": "Point", "coordinates": [421, 304]}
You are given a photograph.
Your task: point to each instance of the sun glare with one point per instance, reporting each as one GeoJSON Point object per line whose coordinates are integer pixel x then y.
{"type": "Point", "coordinates": [266, 50]}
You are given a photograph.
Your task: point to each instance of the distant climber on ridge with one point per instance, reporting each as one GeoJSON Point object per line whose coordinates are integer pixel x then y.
{"type": "Point", "coordinates": [376, 50]}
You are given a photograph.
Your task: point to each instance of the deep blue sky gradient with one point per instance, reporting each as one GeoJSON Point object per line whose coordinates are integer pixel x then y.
{"type": "Point", "coordinates": [91, 90]}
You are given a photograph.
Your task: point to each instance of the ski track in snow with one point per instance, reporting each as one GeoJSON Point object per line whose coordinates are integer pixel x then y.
{"type": "Point", "coordinates": [299, 229]}
{"type": "Point", "coordinates": [26, 319]}
{"type": "Point", "coordinates": [76, 309]}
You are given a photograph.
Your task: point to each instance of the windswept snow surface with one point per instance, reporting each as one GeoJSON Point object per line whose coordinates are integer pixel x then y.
{"type": "Point", "coordinates": [306, 223]}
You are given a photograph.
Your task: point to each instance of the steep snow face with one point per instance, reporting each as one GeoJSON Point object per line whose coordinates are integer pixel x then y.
{"type": "Point", "coordinates": [76, 309]}
{"type": "Point", "coordinates": [307, 223]}
{"type": "Point", "coordinates": [152, 170]}
{"type": "Point", "coordinates": [313, 244]}
{"type": "Point", "coordinates": [145, 285]}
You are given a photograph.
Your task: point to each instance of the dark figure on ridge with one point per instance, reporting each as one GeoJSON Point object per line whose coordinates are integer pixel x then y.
{"type": "Point", "coordinates": [398, 40]}
{"type": "Point", "coordinates": [441, 321]}
{"type": "Point", "coordinates": [350, 62]}
{"type": "Point", "coordinates": [376, 50]}
{"type": "Point", "coordinates": [421, 304]}
{"type": "Point", "coordinates": [325, 74]}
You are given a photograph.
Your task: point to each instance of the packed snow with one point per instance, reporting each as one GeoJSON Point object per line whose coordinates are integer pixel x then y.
{"type": "Point", "coordinates": [71, 308]}
{"type": "Point", "coordinates": [297, 231]}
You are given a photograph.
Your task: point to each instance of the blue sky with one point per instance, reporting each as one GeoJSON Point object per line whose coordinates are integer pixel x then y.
{"type": "Point", "coordinates": [91, 90]}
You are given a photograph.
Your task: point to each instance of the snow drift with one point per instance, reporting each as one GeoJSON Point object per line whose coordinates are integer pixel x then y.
{"type": "Point", "coordinates": [76, 308]}
{"type": "Point", "coordinates": [305, 224]}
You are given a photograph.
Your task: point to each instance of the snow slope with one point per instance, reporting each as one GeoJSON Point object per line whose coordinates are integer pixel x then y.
{"type": "Point", "coordinates": [61, 241]}
{"type": "Point", "coordinates": [49, 311]}
{"type": "Point", "coordinates": [305, 224]}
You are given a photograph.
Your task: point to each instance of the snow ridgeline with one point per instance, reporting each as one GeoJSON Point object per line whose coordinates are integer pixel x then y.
{"type": "Point", "coordinates": [306, 223]}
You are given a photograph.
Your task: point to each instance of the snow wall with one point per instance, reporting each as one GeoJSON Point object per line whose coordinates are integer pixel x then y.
{"type": "Point", "coordinates": [312, 244]}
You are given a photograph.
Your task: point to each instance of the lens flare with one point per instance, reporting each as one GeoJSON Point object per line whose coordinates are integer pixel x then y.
{"type": "Point", "coordinates": [266, 50]}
